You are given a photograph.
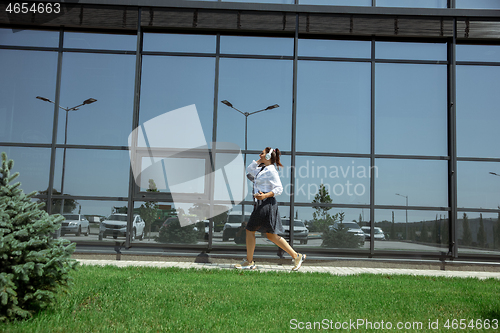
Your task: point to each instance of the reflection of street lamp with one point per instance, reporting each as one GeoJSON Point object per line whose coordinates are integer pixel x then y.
{"type": "Point", "coordinates": [405, 196]}
{"type": "Point", "coordinates": [494, 174]}
{"type": "Point", "coordinates": [247, 114]}
{"type": "Point", "coordinates": [85, 102]}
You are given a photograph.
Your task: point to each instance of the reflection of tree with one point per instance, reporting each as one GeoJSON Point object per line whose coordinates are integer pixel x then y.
{"type": "Point", "coordinates": [149, 210]}
{"type": "Point", "coordinates": [481, 236]}
{"type": "Point", "coordinates": [496, 231]}
{"type": "Point", "coordinates": [466, 235]}
{"type": "Point", "coordinates": [202, 211]}
{"type": "Point", "coordinates": [321, 217]}
{"type": "Point", "coordinates": [69, 204]}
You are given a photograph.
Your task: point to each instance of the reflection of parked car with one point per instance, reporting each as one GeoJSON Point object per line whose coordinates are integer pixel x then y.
{"type": "Point", "coordinates": [75, 224]}
{"type": "Point", "coordinates": [352, 227]}
{"type": "Point", "coordinates": [207, 228]}
{"type": "Point", "coordinates": [300, 232]}
{"type": "Point", "coordinates": [378, 233]}
{"type": "Point", "coordinates": [116, 225]}
{"type": "Point", "coordinates": [232, 225]}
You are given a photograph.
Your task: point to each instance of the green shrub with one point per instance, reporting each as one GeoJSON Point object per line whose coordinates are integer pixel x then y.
{"type": "Point", "coordinates": [172, 232]}
{"type": "Point", "coordinates": [33, 265]}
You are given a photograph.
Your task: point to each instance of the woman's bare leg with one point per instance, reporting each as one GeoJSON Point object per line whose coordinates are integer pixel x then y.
{"type": "Point", "coordinates": [250, 244]}
{"type": "Point", "coordinates": [282, 243]}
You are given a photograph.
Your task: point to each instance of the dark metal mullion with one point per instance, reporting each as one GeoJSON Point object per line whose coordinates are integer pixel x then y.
{"type": "Point", "coordinates": [372, 150]}
{"type": "Point", "coordinates": [98, 51]}
{"type": "Point", "coordinates": [255, 56]}
{"type": "Point", "coordinates": [178, 54]}
{"type": "Point", "coordinates": [135, 123]}
{"type": "Point", "coordinates": [214, 145]}
{"type": "Point", "coordinates": [55, 126]}
{"type": "Point", "coordinates": [334, 59]}
{"type": "Point", "coordinates": [452, 144]}
{"type": "Point", "coordinates": [29, 48]}
{"type": "Point", "coordinates": [294, 127]}
{"type": "Point", "coordinates": [478, 159]}
{"type": "Point", "coordinates": [477, 63]}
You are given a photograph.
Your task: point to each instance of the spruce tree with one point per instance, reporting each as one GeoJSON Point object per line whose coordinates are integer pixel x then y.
{"type": "Point", "coordinates": [33, 265]}
{"type": "Point", "coordinates": [481, 236]}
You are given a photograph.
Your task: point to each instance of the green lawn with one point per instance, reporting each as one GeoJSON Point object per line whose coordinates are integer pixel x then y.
{"type": "Point", "coordinates": [141, 299]}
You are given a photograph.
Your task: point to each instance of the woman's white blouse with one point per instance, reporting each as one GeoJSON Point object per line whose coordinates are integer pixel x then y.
{"type": "Point", "coordinates": [268, 180]}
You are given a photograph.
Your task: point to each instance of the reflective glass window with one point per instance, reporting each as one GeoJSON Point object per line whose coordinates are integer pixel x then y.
{"type": "Point", "coordinates": [179, 43]}
{"type": "Point", "coordinates": [33, 165]}
{"type": "Point", "coordinates": [21, 37]}
{"type": "Point", "coordinates": [410, 109]}
{"type": "Point", "coordinates": [109, 79]}
{"type": "Point", "coordinates": [413, 3]}
{"type": "Point", "coordinates": [411, 230]}
{"type": "Point", "coordinates": [367, 3]}
{"type": "Point", "coordinates": [100, 41]}
{"type": "Point", "coordinates": [477, 184]}
{"type": "Point", "coordinates": [347, 180]}
{"type": "Point", "coordinates": [487, 53]}
{"type": "Point", "coordinates": [477, 4]}
{"type": "Point", "coordinates": [410, 51]}
{"type": "Point", "coordinates": [161, 224]}
{"type": "Point", "coordinates": [93, 172]}
{"type": "Point", "coordinates": [322, 225]}
{"type": "Point", "coordinates": [252, 85]}
{"type": "Point", "coordinates": [256, 45]}
{"type": "Point", "coordinates": [26, 75]}
{"type": "Point", "coordinates": [477, 111]}
{"type": "Point", "coordinates": [334, 48]}
{"type": "Point", "coordinates": [477, 233]}
{"type": "Point", "coordinates": [333, 107]}
{"type": "Point", "coordinates": [170, 83]}
{"type": "Point", "coordinates": [418, 182]}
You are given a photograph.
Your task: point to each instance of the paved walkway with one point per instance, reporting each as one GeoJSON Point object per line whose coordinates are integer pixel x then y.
{"type": "Point", "coordinates": [303, 269]}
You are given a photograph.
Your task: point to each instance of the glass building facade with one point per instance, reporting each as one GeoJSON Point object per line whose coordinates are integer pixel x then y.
{"type": "Point", "coordinates": [390, 109]}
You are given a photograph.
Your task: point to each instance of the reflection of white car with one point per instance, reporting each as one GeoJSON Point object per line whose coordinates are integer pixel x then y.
{"type": "Point", "coordinates": [300, 232]}
{"type": "Point", "coordinates": [116, 225]}
{"type": "Point", "coordinates": [378, 233]}
{"type": "Point", "coordinates": [352, 227]}
{"type": "Point", "coordinates": [75, 224]}
{"type": "Point", "coordinates": [233, 224]}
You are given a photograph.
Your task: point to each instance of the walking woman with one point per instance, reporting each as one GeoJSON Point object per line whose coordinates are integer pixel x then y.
{"type": "Point", "coordinates": [265, 216]}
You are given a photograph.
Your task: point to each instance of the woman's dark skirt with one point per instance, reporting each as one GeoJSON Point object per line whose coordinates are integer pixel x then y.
{"type": "Point", "coordinates": [265, 217]}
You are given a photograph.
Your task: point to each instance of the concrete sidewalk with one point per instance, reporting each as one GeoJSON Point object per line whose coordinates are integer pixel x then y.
{"type": "Point", "coordinates": [267, 267]}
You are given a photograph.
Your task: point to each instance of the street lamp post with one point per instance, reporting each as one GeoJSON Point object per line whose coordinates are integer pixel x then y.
{"type": "Point", "coordinates": [247, 114]}
{"type": "Point", "coordinates": [87, 101]}
{"type": "Point", "coordinates": [405, 196]}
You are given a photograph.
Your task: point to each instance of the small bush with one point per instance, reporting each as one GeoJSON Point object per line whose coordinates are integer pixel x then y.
{"type": "Point", "coordinates": [33, 265]}
{"type": "Point", "coordinates": [340, 238]}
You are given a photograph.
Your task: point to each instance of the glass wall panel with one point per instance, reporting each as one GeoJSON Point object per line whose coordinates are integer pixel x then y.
{"type": "Point", "coordinates": [78, 40]}
{"type": "Point", "coordinates": [478, 185]}
{"type": "Point", "coordinates": [410, 109]}
{"type": "Point", "coordinates": [334, 48]}
{"type": "Point", "coordinates": [478, 113]}
{"type": "Point", "coordinates": [413, 3]}
{"type": "Point", "coordinates": [346, 180]}
{"type": "Point", "coordinates": [323, 227]}
{"type": "Point", "coordinates": [333, 107]}
{"type": "Point", "coordinates": [252, 85]}
{"type": "Point", "coordinates": [256, 45]}
{"type": "Point", "coordinates": [26, 75]}
{"type": "Point", "coordinates": [93, 172]}
{"type": "Point", "coordinates": [411, 182]}
{"type": "Point", "coordinates": [477, 4]}
{"type": "Point", "coordinates": [410, 51]}
{"type": "Point", "coordinates": [478, 233]}
{"type": "Point", "coordinates": [488, 53]}
{"type": "Point", "coordinates": [170, 83]}
{"type": "Point", "coordinates": [367, 3]}
{"type": "Point", "coordinates": [179, 43]}
{"type": "Point", "coordinates": [20, 37]}
{"type": "Point", "coordinates": [411, 230]}
{"type": "Point", "coordinates": [108, 78]}
{"type": "Point", "coordinates": [33, 165]}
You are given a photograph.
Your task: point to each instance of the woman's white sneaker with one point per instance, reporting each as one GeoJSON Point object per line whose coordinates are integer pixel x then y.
{"type": "Point", "coordinates": [298, 261]}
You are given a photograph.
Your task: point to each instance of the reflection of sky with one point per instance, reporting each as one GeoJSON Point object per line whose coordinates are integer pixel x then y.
{"type": "Point", "coordinates": [332, 111]}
